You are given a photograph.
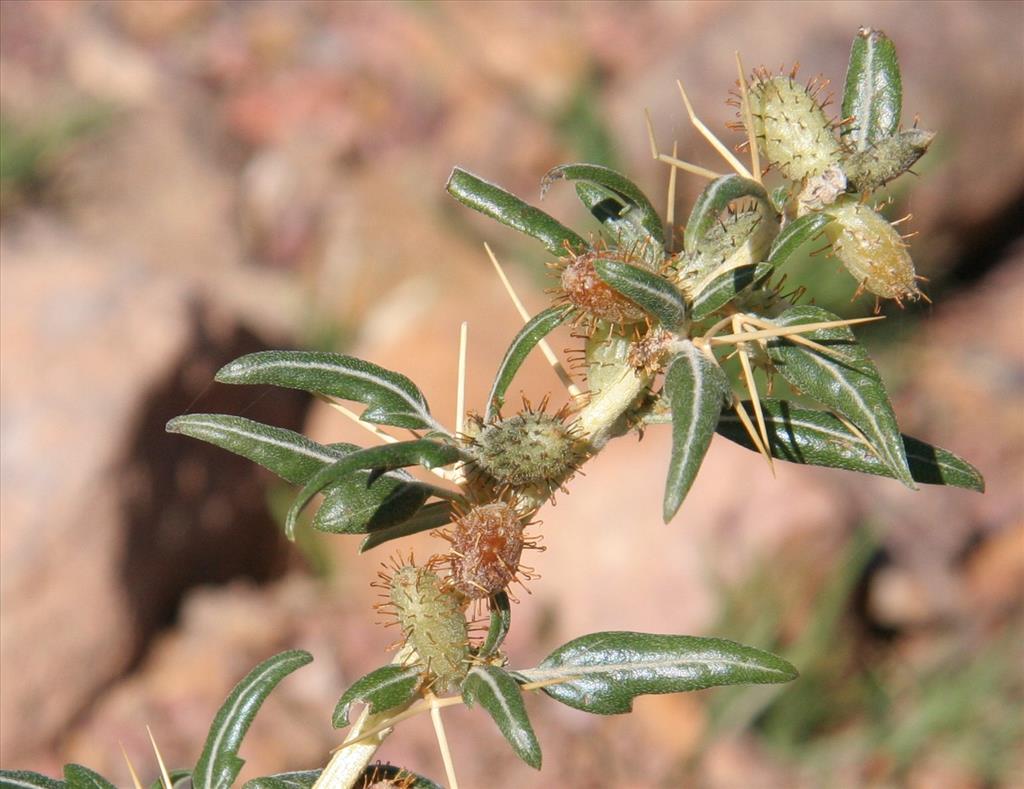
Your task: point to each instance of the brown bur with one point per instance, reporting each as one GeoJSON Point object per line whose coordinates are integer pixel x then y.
{"type": "Point", "coordinates": [487, 544]}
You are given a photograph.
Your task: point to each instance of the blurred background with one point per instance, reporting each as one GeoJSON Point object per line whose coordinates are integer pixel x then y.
{"type": "Point", "coordinates": [184, 182]}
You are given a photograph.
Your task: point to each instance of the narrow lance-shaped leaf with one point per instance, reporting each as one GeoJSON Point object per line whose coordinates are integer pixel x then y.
{"type": "Point", "coordinates": [535, 330]}
{"type": "Point", "coordinates": [625, 189]}
{"type": "Point", "coordinates": [383, 689]}
{"type": "Point", "coordinates": [794, 235]}
{"type": "Point", "coordinates": [219, 764]}
{"type": "Point", "coordinates": [299, 779]}
{"type": "Point", "coordinates": [501, 621]}
{"type": "Point", "coordinates": [715, 198]}
{"type": "Point", "coordinates": [351, 506]}
{"type": "Point", "coordinates": [873, 95]}
{"type": "Point", "coordinates": [725, 287]}
{"type": "Point", "coordinates": [422, 452]}
{"type": "Point", "coordinates": [497, 692]}
{"type": "Point", "coordinates": [288, 454]}
{"type": "Point", "coordinates": [78, 777]}
{"type": "Point", "coordinates": [432, 516]}
{"type": "Point", "coordinates": [620, 222]}
{"type": "Point", "coordinates": [493, 201]}
{"type": "Point", "coordinates": [843, 378]}
{"type": "Point", "coordinates": [803, 435]}
{"type": "Point", "coordinates": [26, 779]}
{"type": "Point", "coordinates": [696, 389]}
{"type": "Point", "coordinates": [653, 294]}
{"type": "Point", "coordinates": [390, 397]}
{"type": "Point", "coordinates": [603, 672]}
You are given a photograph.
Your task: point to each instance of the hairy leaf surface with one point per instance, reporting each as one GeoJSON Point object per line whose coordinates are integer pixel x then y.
{"type": "Point", "coordinates": [873, 95]}
{"type": "Point", "coordinates": [497, 692]}
{"type": "Point", "coordinates": [383, 689]}
{"type": "Point", "coordinates": [653, 294]}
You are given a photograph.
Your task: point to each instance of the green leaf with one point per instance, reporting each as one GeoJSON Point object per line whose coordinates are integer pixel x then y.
{"type": "Point", "coordinates": [887, 159]}
{"type": "Point", "coordinates": [386, 775]}
{"type": "Point", "coordinates": [818, 438]}
{"type": "Point", "coordinates": [620, 222]}
{"type": "Point", "coordinates": [535, 330]}
{"type": "Point", "coordinates": [384, 689]}
{"type": "Point", "coordinates": [501, 621]}
{"type": "Point", "coordinates": [26, 779]}
{"type": "Point", "coordinates": [432, 516]}
{"type": "Point", "coordinates": [219, 763]}
{"type": "Point", "coordinates": [351, 506]}
{"type": "Point", "coordinates": [845, 380]}
{"type": "Point", "coordinates": [289, 455]}
{"type": "Point", "coordinates": [497, 692]}
{"type": "Point", "coordinates": [697, 389]}
{"type": "Point", "coordinates": [423, 452]}
{"type": "Point", "coordinates": [180, 779]}
{"type": "Point", "coordinates": [78, 777]}
{"type": "Point", "coordinates": [603, 672]}
{"type": "Point", "coordinates": [653, 294]}
{"type": "Point", "coordinates": [390, 397]}
{"type": "Point", "coordinates": [873, 96]}
{"type": "Point", "coordinates": [725, 287]}
{"type": "Point", "coordinates": [794, 235]}
{"type": "Point", "coordinates": [715, 198]}
{"type": "Point", "coordinates": [628, 192]}
{"type": "Point", "coordinates": [493, 201]}
{"type": "Point", "coordinates": [299, 779]}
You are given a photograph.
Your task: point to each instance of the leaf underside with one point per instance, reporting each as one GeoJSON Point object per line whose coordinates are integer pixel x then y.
{"type": "Point", "coordinates": [498, 693]}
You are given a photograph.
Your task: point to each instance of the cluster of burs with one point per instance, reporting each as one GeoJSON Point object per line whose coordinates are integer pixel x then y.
{"type": "Point", "coordinates": [608, 288]}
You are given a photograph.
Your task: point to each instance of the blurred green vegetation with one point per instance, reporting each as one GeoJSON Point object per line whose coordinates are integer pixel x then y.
{"type": "Point", "coordinates": [860, 699]}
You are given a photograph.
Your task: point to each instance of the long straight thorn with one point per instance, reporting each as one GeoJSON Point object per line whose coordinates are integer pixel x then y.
{"type": "Point", "coordinates": [460, 392]}
{"type": "Point", "coordinates": [670, 211]}
{"type": "Point", "coordinates": [748, 120]}
{"type": "Point", "coordinates": [136, 783]}
{"type": "Point", "coordinates": [164, 777]}
{"type": "Point", "coordinates": [708, 135]}
{"type": "Point", "coordinates": [650, 134]}
{"type": "Point", "coordinates": [695, 169]}
{"type": "Point", "coordinates": [442, 741]}
{"type": "Point", "coordinates": [748, 375]}
{"type": "Point", "coordinates": [741, 412]}
{"type": "Point", "coordinates": [574, 391]}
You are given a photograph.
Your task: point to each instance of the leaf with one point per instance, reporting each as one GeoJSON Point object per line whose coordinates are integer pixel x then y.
{"type": "Point", "coordinates": [432, 516]}
{"type": "Point", "coordinates": [620, 222]}
{"type": "Point", "coordinates": [715, 198]}
{"type": "Point", "coordinates": [299, 779]}
{"type": "Point", "coordinates": [873, 96]}
{"type": "Point", "coordinates": [351, 506]}
{"type": "Point", "coordinates": [794, 235]}
{"type": "Point", "coordinates": [390, 397]}
{"type": "Point", "coordinates": [26, 779]}
{"type": "Point", "coordinates": [535, 330]}
{"type": "Point", "coordinates": [383, 689]}
{"type": "Point", "coordinates": [653, 294]}
{"type": "Point", "coordinates": [180, 779]}
{"type": "Point", "coordinates": [78, 777]}
{"type": "Point", "coordinates": [423, 452]}
{"type": "Point", "coordinates": [603, 672]}
{"type": "Point", "coordinates": [289, 455]}
{"type": "Point", "coordinates": [818, 438]}
{"type": "Point", "coordinates": [844, 380]}
{"type": "Point", "coordinates": [219, 764]}
{"type": "Point", "coordinates": [696, 389]}
{"type": "Point", "coordinates": [725, 287]}
{"type": "Point", "coordinates": [497, 692]}
{"type": "Point", "coordinates": [493, 201]}
{"type": "Point", "coordinates": [628, 192]}
{"type": "Point", "coordinates": [501, 621]}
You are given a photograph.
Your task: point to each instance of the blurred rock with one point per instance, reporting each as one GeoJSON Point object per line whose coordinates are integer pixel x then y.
{"type": "Point", "coordinates": [107, 519]}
